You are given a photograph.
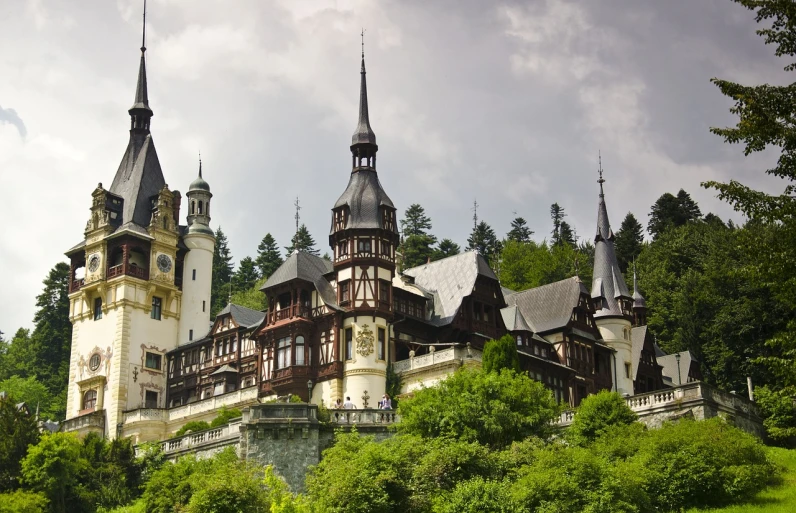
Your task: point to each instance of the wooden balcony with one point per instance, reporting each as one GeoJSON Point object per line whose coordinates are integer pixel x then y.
{"type": "Point", "coordinates": [76, 285]}
{"type": "Point", "coordinates": [130, 270]}
{"type": "Point", "coordinates": [291, 312]}
{"type": "Point", "coordinates": [331, 370]}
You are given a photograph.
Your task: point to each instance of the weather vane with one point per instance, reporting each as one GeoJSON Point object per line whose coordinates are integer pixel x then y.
{"type": "Point", "coordinates": [143, 36]}
{"type": "Point", "coordinates": [363, 42]}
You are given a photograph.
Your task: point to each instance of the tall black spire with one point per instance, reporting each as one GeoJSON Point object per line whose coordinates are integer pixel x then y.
{"type": "Point", "coordinates": [363, 142]}
{"type": "Point", "coordinates": [140, 113]}
{"type": "Point", "coordinates": [609, 289]}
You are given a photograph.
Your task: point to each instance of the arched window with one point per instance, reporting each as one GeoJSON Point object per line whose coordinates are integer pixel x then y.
{"type": "Point", "coordinates": [283, 353]}
{"type": "Point", "coordinates": [89, 399]}
{"type": "Point", "coordinates": [300, 360]}
{"type": "Point", "coordinates": [200, 207]}
{"type": "Point", "coordinates": [193, 207]}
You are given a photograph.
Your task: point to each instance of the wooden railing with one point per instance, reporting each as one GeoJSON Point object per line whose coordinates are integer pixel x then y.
{"type": "Point", "coordinates": [77, 284]}
{"type": "Point", "coordinates": [130, 270]}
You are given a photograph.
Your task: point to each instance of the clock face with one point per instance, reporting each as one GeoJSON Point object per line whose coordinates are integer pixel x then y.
{"type": "Point", "coordinates": [164, 263]}
{"type": "Point", "coordinates": [93, 263]}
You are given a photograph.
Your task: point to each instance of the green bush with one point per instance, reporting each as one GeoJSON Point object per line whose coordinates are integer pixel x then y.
{"type": "Point", "coordinates": [21, 501]}
{"type": "Point", "coordinates": [490, 408]}
{"type": "Point", "coordinates": [779, 413]}
{"type": "Point", "coordinates": [701, 464]}
{"type": "Point", "coordinates": [501, 354]}
{"type": "Point", "coordinates": [596, 414]}
{"type": "Point", "coordinates": [193, 426]}
{"type": "Point", "coordinates": [476, 494]}
{"type": "Point", "coordinates": [225, 415]}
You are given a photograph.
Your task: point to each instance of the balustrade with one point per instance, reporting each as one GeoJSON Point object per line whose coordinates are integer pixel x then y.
{"type": "Point", "coordinates": [194, 441]}
{"type": "Point", "coordinates": [435, 357]}
{"type": "Point", "coordinates": [363, 417]}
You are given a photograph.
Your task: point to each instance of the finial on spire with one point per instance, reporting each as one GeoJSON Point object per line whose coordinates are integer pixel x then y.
{"type": "Point", "coordinates": [200, 164]}
{"type": "Point", "coordinates": [600, 180]}
{"type": "Point", "coordinates": [297, 216]}
{"type": "Point", "coordinates": [363, 43]}
{"type": "Point", "coordinates": [475, 214]}
{"type": "Point", "coordinates": [363, 133]}
{"type": "Point", "coordinates": [143, 35]}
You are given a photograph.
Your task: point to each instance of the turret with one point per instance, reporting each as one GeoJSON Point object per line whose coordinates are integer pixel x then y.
{"type": "Point", "coordinates": [639, 303]}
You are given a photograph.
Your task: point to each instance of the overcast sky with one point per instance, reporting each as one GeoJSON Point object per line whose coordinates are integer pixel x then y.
{"type": "Point", "coordinates": [500, 101]}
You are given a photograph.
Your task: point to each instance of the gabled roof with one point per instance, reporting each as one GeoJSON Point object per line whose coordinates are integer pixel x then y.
{"type": "Point", "coordinates": [364, 196]}
{"type": "Point", "coordinates": [243, 316]}
{"type": "Point", "coordinates": [138, 179]}
{"type": "Point", "coordinates": [548, 307]}
{"type": "Point", "coordinates": [308, 267]}
{"type": "Point", "coordinates": [638, 335]}
{"type": "Point", "coordinates": [450, 280]}
{"type": "Point", "coordinates": [514, 320]}
{"type": "Point", "coordinates": [223, 370]}
{"type": "Point", "coordinates": [669, 364]}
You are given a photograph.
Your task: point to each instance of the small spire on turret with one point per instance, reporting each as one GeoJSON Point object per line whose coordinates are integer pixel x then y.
{"type": "Point", "coordinates": [140, 112]}
{"type": "Point", "coordinates": [363, 142]}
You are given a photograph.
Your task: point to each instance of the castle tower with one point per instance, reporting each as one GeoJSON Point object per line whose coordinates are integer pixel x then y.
{"type": "Point", "coordinates": [125, 302]}
{"type": "Point", "coordinates": [198, 265]}
{"type": "Point", "coordinates": [363, 238]}
{"type": "Point", "coordinates": [612, 300]}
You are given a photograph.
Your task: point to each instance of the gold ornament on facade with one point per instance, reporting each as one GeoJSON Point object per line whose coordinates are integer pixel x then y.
{"type": "Point", "coordinates": [365, 341]}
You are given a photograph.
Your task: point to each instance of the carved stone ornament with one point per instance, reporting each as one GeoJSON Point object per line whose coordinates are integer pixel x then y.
{"type": "Point", "coordinates": [365, 341]}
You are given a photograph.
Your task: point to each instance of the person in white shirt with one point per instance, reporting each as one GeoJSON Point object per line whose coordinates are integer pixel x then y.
{"type": "Point", "coordinates": [348, 405]}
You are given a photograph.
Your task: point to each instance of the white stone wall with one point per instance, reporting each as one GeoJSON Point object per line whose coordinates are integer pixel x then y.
{"type": "Point", "coordinates": [363, 372]}
{"type": "Point", "coordinates": [616, 334]}
{"type": "Point", "coordinates": [196, 292]}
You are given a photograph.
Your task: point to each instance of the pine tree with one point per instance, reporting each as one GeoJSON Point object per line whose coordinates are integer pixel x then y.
{"type": "Point", "coordinates": [417, 245]}
{"type": "Point", "coordinates": [629, 241]}
{"type": "Point", "coordinates": [246, 275]}
{"type": "Point", "coordinates": [415, 221]}
{"type": "Point", "coordinates": [302, 241]}
{"type": "Point", "coordinates": [557, 215]}
{"type": "Point", "coordinates": [445, 249]}
{"type": "Point", "coordinates": [519, 231]}
{"type": "Point", "coordinates": [484, 240]}
{"type": "Point", "coordinates": [567, 234]}
{"type": "Point", "coordinates": [268, 257]}
{"type": "Point", "coordinates": [222, 273]}
{"type": "Point", "coordinates": [671, 211]}
{"type": "Point", "coordinates": [51, 340]}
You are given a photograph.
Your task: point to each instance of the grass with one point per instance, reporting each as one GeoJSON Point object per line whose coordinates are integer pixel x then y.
{"type": "Point", "coordinates": [777, 499]}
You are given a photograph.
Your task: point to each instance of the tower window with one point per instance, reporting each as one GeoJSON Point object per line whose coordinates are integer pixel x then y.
{"type": "Point", "coordinates": [193, 275]}
{"type": "Point", "coordinates": [349, 343]}
{"type": "Point", "coordinates": [200, 207]}
{"type": "Point", "coordinates": [94, 362]}
{"type": "Point", "coordinates": [300, 360]}
{"type": "Point", "coordinates": [190, 335]}
{"type": "Point", "coordinates": [90, 400]}
{"type": "Point", "coordinates": [97, 309]}
{"type": "Point", "coordinates": [283, 353]}
{"type": "Point", "coordinates": [627, 370]}
{"type": "Point", "coordinates": [193, 207]}
{"type": "Point", "coordinates": [156, 308]}
{"type": "Point", "coordinates": [203, 306]}
{"type": "Point", "coordinates": [382, 342]}
{"type": "Point", "coordinates": [152, 361]}
{"type": "Point", "coordinates": [363, 246]}
{"type": "Point", "coordinates": [345, 292]}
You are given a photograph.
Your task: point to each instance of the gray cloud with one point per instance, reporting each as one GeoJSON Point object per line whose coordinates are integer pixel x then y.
{"type": "Point", "coordinates": [11, 117]}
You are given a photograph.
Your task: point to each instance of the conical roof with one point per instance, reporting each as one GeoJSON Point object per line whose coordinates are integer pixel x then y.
{"type": "Point", "coordinates": [364, 133]}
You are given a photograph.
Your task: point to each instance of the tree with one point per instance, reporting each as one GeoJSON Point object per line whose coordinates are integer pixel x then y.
{"type": "Point", "coordinates": [566, 235]}
{"type": "Point", "coordinates": [415, 221]}
{"type": "Point", "coordinates": [32, 392]}
{"type": "Point", "coordinates": [222, 274]}
{"type": "Point", "coordinates": [629, 241]}
{"type": "Point", "coordinates": [302, 241]}
{"type": "Point", "coordinates": [19, 429]}
{"type": "Point", "coordinates": [484, 240]}
{"type": "Point", "coordinates": [19, 359]}
{"type": "Point", "coordinates": [670, 211]}
{"type": "Point", "coordinates": [501, 354]}
{"type": "Point", "coordinates": [519, 231]}
{"type": "Point", "coordinates": [417, 245]}
{"type": "Point", "coordinates": [557, 215]}
{"type": "Point", "coordinates": [246, 275]}
{"type": "Point", "coordinates": [21, 501]}
{"type": "Point", "coordinates": [268, 257]}
{"type": "Point", "coordinates": [596, 414]}
{"type": "Point", "coordinates": [490, 408]}
{"type": "Point", "coordinates": [445, 249]}
{"type": "Point", "coordinates": [53, 467]}
{"type": "Point", "coordinates": [252, 297]}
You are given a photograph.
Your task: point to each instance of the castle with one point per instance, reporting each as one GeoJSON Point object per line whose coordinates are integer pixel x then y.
{"type": "Point", "coordinates": [147, 358]}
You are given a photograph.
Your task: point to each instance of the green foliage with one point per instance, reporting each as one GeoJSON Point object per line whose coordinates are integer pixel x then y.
{"type": "Point", "coordinates": [393, 386]}
{"type": "Point", "coordinates": [32, 392]}
{"type": "Point", "coordinates": [19, 430]}
{"type": "Point", "coordinates": [246, 275]}
{"type": "Point", "coordinates": [501, 354]}
{"type": "Point", "coordinates": [444, 249]}
{"type": "Point", "coordinates": [484, 240]}
{"type": "Point", "coordinates": [21, 501]}
{"type": "Point", "coordinates": [231, 488]}
{"type": "Point", "coordinates": [528, 265]}
{"type": "Point", "coordinates": [629, 241]}
{"type": "Point", "coordinates": [268, 257]}
{"type": "Point", "coordinates": [779, 413]}
{"type": "Point", "coordinates": [477, 494]}
{"type": "Point", "coordinates": [53, 468]}
{"type": "Point", "coordinates": [596, 414]}
{"type": "Point", "coordinates": [302, 241]}
{"type": "Point", "coordinates": [252, 297]}
{"type": "Point", "coordinates": [220, 287]}
{"type": "Point", "coordinates": [415, 221]}
{"type": "Point", "coordinates": [493, 409]}
{"type": "Point", "coordinates": [193, 426]}
{"type": "Point", "coordinates": [225, 415]}
{"type": "Point", "coordinates": [670, 211]}
{"type": "Point", "coordinates": [417, 250]}
{"type": "Point", "coordinates": [519, 231]}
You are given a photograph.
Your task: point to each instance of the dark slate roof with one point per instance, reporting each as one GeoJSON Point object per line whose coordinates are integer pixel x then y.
{"type": "Point", "coordinates": [548, 307]}
{"type": "Point", "coordinates": [308, 267]}
{"type": "Point", "coordinates": [669, 364]}
{"type": "Point", "coordinates": [608, 281]}
{"type": "Point", "coordinates": [638, 299]}
{"type": "Point", "coordinates": [245, 317]}
{"type": "Point", "coordinates": [450, 280]}
{"type": "Point", "coordinates": [364, 196]}
{"type": "Point", "coordinates": [141, 92]}
{"type": "Point", "coordinates": [138, 179]}
{"type": "Point", "coordinates": [363, 133]}
{"type": "Point", "coordinates": [658, 350]}
{"type": "Point", "coordinates": [514, 320]}
{"type": "Point", "coordinates": [199, 184]}
{"type": "Point", "coordinates": [637, 336]}
{"type": "Point", "coordinates": [223, 370]}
